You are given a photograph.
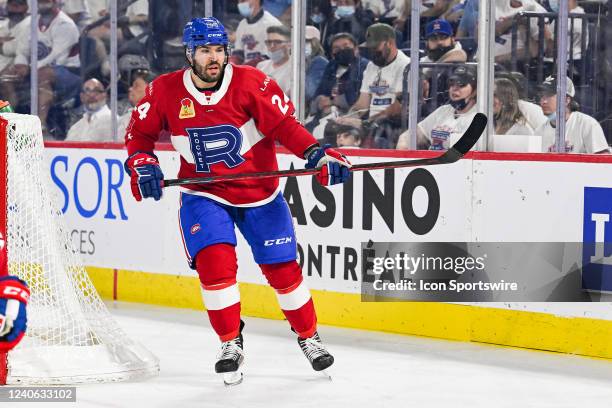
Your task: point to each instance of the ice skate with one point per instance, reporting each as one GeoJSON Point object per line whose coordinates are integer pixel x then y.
{"type": "Point", "coordinates": [315, 352]}
{"type": "Point", "coordinates": [230, 359]}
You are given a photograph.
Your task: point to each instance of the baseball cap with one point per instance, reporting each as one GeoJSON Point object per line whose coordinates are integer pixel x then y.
{"type": "Point", "coordinates": [22, 2]}
{"type": "Point", "coordinates": [312, 32]}
{"type": "Point", "coordinates": [465, 74]}
{"type": "Point", "coordinates": [378, 33]}
{"type": "Point", "coordinates": [439, 26]}
{"type": "Point", "coordinates": [549, 87]}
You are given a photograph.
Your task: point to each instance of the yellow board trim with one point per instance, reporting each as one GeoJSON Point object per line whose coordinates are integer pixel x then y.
{"type": "Point", "coordinates": [541, 331]}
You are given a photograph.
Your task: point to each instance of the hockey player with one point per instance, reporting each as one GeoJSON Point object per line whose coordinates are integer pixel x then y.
{"type": "Point", "coordinates": [225, 119]}
{"type": "Point", "coordinates": [14, 295]}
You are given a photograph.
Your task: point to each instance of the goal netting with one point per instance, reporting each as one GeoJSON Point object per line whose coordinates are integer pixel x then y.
{"type": "Point", "coordinates": [71, 336]}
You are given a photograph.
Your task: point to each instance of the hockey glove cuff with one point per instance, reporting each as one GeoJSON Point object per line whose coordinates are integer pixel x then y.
{"type": "Point", "coordinates": [146, 175]}
{"type": "Point", "coordinates": [14, 296]}
{"type": "Point", "coordinates": [333, 164]}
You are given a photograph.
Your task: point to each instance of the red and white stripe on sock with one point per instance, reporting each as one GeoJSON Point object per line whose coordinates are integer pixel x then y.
{"type": "Point", "coordinates": [293, 296]}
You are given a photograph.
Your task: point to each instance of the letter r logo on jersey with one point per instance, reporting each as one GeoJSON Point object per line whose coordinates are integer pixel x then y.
{"type": "Point", "coordinates": [597, 239]}
{"type": "Point", "coordinates": [215, 144]}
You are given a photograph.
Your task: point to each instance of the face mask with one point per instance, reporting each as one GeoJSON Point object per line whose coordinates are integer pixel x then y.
{"type": "Point", "coordinates": [554, 5]}
{"type": "Point", "coordinates": [277, 56]}
{"type": "Point", "coordinates": [552, 118]}
{"type": "Point", "coordinates": [15, 16]}
{"type": "Point", "coordinates": [437, 53]}
{"type": "Point", "coordinates": [345, 56]}
{"type": "Point", "coordinates": [345, 11]}
{"type": "Point", "coordinates": [308, 50]}
{"type": "Point", "coordinates": [245, 9]}
{"type": "Point", "coordinates": [380, 57]}
{"type": "Point", "coordinates": [317, 18]}
{"type": "Point", "coordinates": [460, 104]}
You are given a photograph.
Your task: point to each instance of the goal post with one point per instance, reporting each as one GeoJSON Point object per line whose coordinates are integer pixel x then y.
{"type": "Point", "coordinates": [71, 336]}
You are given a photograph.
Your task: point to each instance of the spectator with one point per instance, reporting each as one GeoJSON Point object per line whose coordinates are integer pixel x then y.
{"type": "Point", "coordinates": [95, 125]}
{"type": "Point", "coordinates": [381, 87]}
{"type": "Point", "coordinates": [575, 33]}
{"type": "Point", "coordinates": [129, 65]}
{"type": "Point", "coordinates": [386, 11]}
{"type": "Point", "coordinates": [319, 15]}
{"type": "Point", "coordinates": [58, 61]}
{"type": "Point", "coordinates": [441, 45]}
{"type": "Point", "coordinates": [278, 67]}
{"type": "Point", "coordinates": [315, 61]}
{"type": "Point", "coordinates": [139, 81]}
{"type": "Point", "coordinates": [350, 17]}
{"type": "Point", "coordinates": [130, 26]}
{"type": "Point", "coordinates": [531, 111]}
{"type": "Point", "coordinates": [343, 75]}
{"type": "Point", "coordinates": [340, 85]}
{"type": "Point", "coordinates": [436, 130]}
{"type": "Point", "coordinates": [505, 12]}
{"type": "Point", "coordinates": [349, 137]}
{"type": "Point", "coordinates": [78, 11]}
{"type": "Point", "coordinates": [14, 35]}
{"type": "Point", "coordinates": [583, 134]}
{"type": "Point", "coordinates": [508, 118]}
{"type": "Point", "coordinates": [251, 33]}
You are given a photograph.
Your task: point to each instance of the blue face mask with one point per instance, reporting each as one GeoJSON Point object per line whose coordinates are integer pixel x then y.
{"type": "Point", "coordinates": [554, 5]}
{"type": "Point", "coordinates": [317, 18]}
{"type": "Point", "coordinates": [245, 9]}
{"type": "Point", "coordinates": [345, 11]}
{"type": "Point", "coordinates": [552, 118]}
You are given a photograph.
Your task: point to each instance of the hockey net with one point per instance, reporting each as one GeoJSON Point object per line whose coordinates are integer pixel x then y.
{"type": "Point", "coordinates": [71, 336]}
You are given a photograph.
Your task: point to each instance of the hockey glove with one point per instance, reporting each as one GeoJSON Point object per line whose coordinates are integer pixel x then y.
{"type": "Point", "coordinates": [146, 175]}
{"type": "Point", "coordinates": [334, 165]}
{"type": "Point", "coordinates": [14, 295]}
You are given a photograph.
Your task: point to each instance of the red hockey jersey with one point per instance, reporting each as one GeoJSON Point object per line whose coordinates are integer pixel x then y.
{"type": "Point", "coordinates": [233, 130]}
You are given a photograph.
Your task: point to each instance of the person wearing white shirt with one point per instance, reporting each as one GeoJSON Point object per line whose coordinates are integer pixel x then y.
{"type": "Point", "coordinates": [381, 86]}
{"type": "Point", "coordinates": [251, 33]}
{"type": "Point", "coordinates": [58, 63]}
{"type": "Point", "coordinates": [95, 125]}
{"type": "Point", "coordinates": [505, 10]}
{"type": "Point", "coordinates": [583, 134]}
{"type": "Point", "coordinates": [448, 121]}
{"type": "Point", "coordinates": [508, 118]}
{"type": "Point", "coordinates": [14, 34]}
{"type": "Point", "coordinates": [278, 67]}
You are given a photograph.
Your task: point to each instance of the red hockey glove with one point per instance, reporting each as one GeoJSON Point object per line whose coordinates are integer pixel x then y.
{"type": "Point", "coordinates": [14, 295]}
{"type": "Point", "coordinates": [334, 165]}
{"type": "Point", "coordinates": [146, 175]}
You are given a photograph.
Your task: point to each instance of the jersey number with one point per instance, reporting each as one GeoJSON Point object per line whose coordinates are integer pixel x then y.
{"type": "Point", "coordinates": [142, 110]}
{"type": "Point", "coordinates": [284, 107]}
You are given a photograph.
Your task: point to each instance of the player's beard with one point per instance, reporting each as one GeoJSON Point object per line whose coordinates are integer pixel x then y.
{"type": "Point", "coordinates": [201, 72]}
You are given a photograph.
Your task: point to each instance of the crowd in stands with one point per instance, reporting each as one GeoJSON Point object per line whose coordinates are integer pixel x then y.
{"type": "Point", "coordinates": [357, 62]}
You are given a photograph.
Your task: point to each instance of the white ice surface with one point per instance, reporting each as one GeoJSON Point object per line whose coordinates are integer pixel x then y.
{"type": "Point", "coordinates": [371, 370]}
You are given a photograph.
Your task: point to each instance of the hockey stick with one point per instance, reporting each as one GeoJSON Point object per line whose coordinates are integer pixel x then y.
{"type": "Point", "coordinates": [456, 152]}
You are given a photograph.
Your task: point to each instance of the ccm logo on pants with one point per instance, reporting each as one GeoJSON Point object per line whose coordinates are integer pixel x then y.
{"type": "Point", "coordinates": [270, 242]}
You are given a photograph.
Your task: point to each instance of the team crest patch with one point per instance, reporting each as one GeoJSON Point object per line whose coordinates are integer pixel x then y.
{"type": "Point", "coordinates": [195, 228]}
{"type": "Point", "coordinates": [187, 109]}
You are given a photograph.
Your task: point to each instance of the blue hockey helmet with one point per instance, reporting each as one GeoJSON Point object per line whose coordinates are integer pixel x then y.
{"type": "Point", "coordinates": [204, 31]}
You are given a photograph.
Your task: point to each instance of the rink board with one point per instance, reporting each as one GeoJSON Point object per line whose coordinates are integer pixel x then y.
{"type": "Point", "coordinates": [134, 251]}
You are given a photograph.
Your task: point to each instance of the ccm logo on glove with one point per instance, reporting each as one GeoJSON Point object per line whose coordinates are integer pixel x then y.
{"type": "Point", "coordinates": [16, 293]}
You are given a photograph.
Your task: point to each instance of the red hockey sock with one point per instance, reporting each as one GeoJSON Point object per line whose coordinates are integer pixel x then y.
{"type": "Point", "coordinates": [217, 268]}
{"type": "Point", "coordinates": [293, 296]}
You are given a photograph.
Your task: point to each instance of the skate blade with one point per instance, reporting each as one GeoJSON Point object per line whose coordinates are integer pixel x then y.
{"type": "Point", "coordinates": [326, 374]}
{"type": "Point", "coordinates": [232, 378]}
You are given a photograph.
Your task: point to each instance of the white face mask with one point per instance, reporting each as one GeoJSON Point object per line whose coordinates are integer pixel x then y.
{"type": "Point", "coordinates": [277, 56]}
{"type": "Point", "coordinates": [554, 5]}
{"type": "Point", "coordinates": [245, 9]}
{"type": "Point", "coordinates": [308, 50]}
{"type": "Point", "coordinates": [94, 106]}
